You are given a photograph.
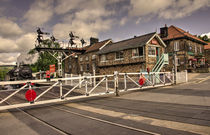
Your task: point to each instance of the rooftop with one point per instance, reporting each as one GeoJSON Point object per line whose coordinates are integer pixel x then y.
{"type": "Point", "coordinates": [127, 44]}
{"type": "Point", "coordinates": [175, 32]}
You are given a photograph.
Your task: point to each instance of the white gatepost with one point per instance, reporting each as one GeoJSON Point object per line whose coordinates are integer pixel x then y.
{"type": "Point", "coordinates": [80, 79]}
{"type": "Point", "coordinates": [71, 75]}
{"type": "Point", "coordinates": [186, 74]}
{"type": "Point", "coordinates": [94, 79]}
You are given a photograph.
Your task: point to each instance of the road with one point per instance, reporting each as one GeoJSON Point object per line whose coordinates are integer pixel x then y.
{"type": "Point", "coordinates": [180, 109]}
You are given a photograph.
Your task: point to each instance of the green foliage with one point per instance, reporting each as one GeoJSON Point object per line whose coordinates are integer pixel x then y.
{"type": "Point", "coordinates": [4, 71]}
{"type": "Point", "coordinates": [45, 59]}
{"type": "Point", "coordinates": [204, 38]}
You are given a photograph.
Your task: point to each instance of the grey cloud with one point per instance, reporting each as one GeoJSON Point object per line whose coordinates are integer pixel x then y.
{"type": "Point", "coordinates": [9, 29]}
{"type": "Point", "coordinates": [167, 9]}
{"type": "Point", "coordinates": [39, 13]}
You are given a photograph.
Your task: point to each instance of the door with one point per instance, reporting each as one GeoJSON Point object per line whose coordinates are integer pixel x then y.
{"type": "Point", "coordinates": [157, 53]}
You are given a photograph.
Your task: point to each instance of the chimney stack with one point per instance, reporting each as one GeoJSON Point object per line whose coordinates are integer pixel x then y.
{"type": "Point", "coordinates": [93, 40]}
{"type": "Point", "coordinates": [164, 31]}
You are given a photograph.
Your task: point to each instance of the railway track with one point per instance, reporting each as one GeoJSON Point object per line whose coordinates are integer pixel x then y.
{"type": "Point", "coordinates": [62, 131]}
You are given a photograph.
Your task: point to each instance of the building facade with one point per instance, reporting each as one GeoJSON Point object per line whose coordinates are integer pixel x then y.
{"type": "Point", "coordinates": [86, 61]}
{"type": "Point", "coordinates": [189, 48]}
{"type": "Point", "coordinates": [131, 55]}
{"type": "Point", "coordinates": [207, 54]}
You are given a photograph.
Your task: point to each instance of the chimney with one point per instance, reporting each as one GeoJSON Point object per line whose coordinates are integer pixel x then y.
{"type": "Point", "coordinates": [93, 40]}
{"type": "Point", "coordinates": [164, 31]}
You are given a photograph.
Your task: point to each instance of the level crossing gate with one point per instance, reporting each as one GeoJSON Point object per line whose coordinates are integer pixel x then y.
{"type": "Point", "coordinates": [57, 90]}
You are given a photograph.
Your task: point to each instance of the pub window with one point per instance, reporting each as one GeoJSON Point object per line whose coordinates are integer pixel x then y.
{"type": "Point", "coordinates": [200, 49]}
{"type": "Point", "coordinates": [195, 49]}
{"type": "Point", "coordinates": [119, 55]}
{"type": "Point", "coordinates": [86, 58]}
{"type": "Point", "coordinates": [87, 67]}
{"type": "Point", "coordinates": [93, 57]}
{"type": "Point", "coordinates": [176, 46]}
{"type": "Point", "coordinates": [81, 67]}
{"type": "Point", "coordinates": [103, 58]}
{"type": "Point", "coordinates": [81, 59]}
{"type": "Point", "coordinates": [151, 51]}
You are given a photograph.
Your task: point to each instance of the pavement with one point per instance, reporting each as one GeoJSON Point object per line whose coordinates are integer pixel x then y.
{"type": "Point", "coordinates": [179, 109]}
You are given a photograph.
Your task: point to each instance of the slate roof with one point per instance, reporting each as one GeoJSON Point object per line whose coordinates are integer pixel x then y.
{"type": "Point", "coordinates": [175, 32]}
{"type": "Point", "coordinates": [96, 46]}
{"type": "Point", "coordinates": [127, 44]}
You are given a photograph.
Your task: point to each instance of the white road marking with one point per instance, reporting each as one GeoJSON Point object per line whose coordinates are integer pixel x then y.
{"type": "Point", "coordinates": [152, 121]}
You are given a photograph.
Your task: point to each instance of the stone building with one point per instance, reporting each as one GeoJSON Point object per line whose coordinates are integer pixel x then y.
{"type": "Point", "coordinates": [131, 55]}
{"type": "Point", "coordinates": [190, 49]}
{"type": "Point", "coordinates": [207, 53]}
{"type": "Point", "coordinates": [87, 60]}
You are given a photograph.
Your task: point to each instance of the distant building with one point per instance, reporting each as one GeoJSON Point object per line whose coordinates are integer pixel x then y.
{"type": "Point", "coordinates": [86, 62]}
{"type": "Point", "coordinates": [131, 55]}
{"type": "Point", "coordinates": [207, 53]}
{"type": "Point", "coordinates": [190, 49]}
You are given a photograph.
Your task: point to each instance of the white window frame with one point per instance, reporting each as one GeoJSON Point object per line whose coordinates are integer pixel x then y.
{"type": "Point", "coordinates": [137, 52]}
{"type": "Point", "coordinates": [81, 59]}
{"type": "Point", "coordinates": [196, 49]}
{"type": "Point", "coordinates": [154, 48]}
{"type": "Point", "coordinates": [81, 67]}
{"type": "Point", "coordinates": [87, 58]}
{"type": "Point", "coordinates": [176, 46]}
{"type": "Point", "coordinates": [103, 58]}
{"type": "Point", "coordinates": [119, 55]}
{"type": "Point", "coordinates": [201, 49]}
{"type": "Point", "coordinates": [93, 56]}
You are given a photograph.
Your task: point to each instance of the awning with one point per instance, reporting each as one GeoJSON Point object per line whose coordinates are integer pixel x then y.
{"type": "Point", "coordinates": [193, 59]}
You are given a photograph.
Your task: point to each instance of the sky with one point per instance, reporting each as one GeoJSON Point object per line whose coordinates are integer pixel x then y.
{"type": "Point", "coordinates": [104, 19]}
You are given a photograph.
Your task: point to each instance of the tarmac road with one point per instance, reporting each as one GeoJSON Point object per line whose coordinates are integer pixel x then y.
{"type": "Point", "coordinates": [180, 109]}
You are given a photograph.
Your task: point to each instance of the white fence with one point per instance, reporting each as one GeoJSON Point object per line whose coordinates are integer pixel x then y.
{"type": "Point", "coordinates": [61, 90]}
{"type": "Point", "coordinates": [181, 77]}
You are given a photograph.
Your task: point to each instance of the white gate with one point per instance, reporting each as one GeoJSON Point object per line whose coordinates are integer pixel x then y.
{"type": "Point", "coordinates": [181, 77]}
{"type": "Point", "coordinates": [59, 91]}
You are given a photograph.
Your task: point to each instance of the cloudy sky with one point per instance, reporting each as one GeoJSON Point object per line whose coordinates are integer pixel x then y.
{"type": "Point", "coordinates": [115, 19]}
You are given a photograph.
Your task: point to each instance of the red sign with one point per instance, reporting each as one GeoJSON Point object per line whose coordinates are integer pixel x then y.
{"type": "Point", "coordinates": [52, 68]}
{"type": "Point", "coordinates": [141, 81]}
{"type": "Point", "coordinates": [30, 95]}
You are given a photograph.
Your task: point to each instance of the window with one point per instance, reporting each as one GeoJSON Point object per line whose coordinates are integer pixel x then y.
{"type": "Point", "coordinates": [81, 59]}
{"type": "Point", "coordinates": [190, 48]}
{"type": "Point", "coordinates": [176, 46]}
{"type": "Point", "coordinates": [86, 58]}
{"type": "Point", "coordinates": [200, 49]}
{"type": "Point", "coordinates": [195, 49]}
{"type": "Point", "coordinates": [81, 67]}
{"type": "Point", "coordinates": [137, 52]}
{"type": "Point", "coordinates": [119, 55]}
{"type": "Point", "coordinates": [87, 67]}
{"type": "Point", "coordinates": [103, 58]}
{"type": "Point", "coordinates": [151, 51]}
{"type": "Point", "coordinates": [93, 57]}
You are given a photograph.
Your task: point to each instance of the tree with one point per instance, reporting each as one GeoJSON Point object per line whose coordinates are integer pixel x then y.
{"type": "Point", "coordinates": [204, 38]}
{"type": "Point", "coordinates": [45, 59]}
